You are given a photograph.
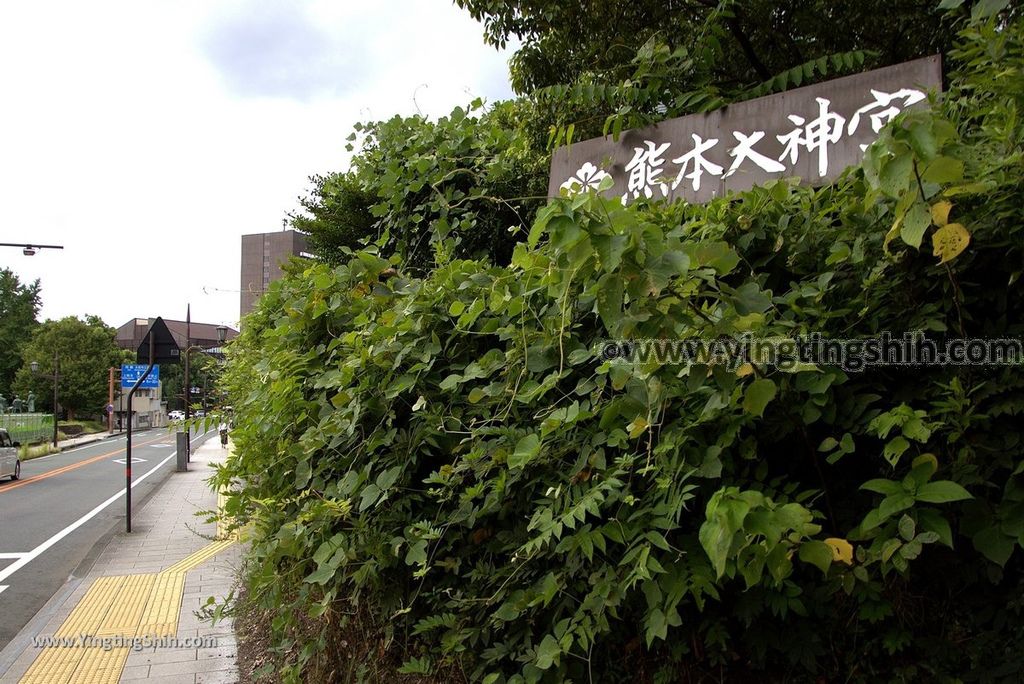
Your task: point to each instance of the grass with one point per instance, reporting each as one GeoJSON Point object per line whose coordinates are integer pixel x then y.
{"type": "Point", "coordinates": [27, 453]}
{"type": "Point", "coordinates": [88, 427]}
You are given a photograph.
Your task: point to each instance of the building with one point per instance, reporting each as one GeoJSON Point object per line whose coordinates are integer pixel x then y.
{"type": "Point", "coordinates": [204, 335]}
{"type": "Point", "coordinates": [149, 409]}
{"type": "Point", "coordinates": [262, 257]}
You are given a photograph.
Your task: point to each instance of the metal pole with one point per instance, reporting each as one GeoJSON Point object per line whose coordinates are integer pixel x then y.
{"type": "Point", "coordinates": [188, 376]}
{"type": "Point", "coordinates": [128, 447]}
{"type": "Point", "coordinates": [110, 401]}
{"type": "Point", "coordinates": [56, 376]}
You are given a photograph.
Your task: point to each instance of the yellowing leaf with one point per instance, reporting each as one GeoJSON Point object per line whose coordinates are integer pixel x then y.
{"type": "Point", "coordinates": [842, 550]}
{"type": "Point", "coordinates": [949, 241]}
{"type": "Point", "coordinates": [940, 213]}
{"type": "Point", "coordinates": [637, 427]}
{"type": "Point", "coordinates": [744, 370]}
{"type": "Point", "coordinates": [891, 235]}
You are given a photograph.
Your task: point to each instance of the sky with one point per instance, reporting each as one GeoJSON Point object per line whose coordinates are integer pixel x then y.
{"type": "Point", "coordinates": [147, 136]}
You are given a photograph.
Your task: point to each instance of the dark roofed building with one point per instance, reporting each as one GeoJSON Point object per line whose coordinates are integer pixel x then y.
{"type": "Point", "coordinates": [131, 334]}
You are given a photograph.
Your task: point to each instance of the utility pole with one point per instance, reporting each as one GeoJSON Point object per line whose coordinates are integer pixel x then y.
{"type": "Point", "coordinates": [56, 377]}
{"type": "Point", "coordinates": [188, 378]}
{"type": "Point", "coordinates": [110, 401]}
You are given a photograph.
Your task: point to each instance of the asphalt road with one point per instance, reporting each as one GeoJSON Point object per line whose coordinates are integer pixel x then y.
{"type": "Point", "coordinates": [53, 517]}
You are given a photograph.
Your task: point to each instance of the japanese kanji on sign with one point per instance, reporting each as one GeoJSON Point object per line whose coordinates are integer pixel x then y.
{"type": "Point", "coordinates": [813, 133]}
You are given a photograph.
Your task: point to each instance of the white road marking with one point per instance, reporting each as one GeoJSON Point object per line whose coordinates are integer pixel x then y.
{"type": "Point", "coordinates": [39, 550]}
{"type": "Point", "coordinates": [12, 555]}
{"type": "Point", "coordinates": [124, 461]}
{"type": "Point", "coordinates": [2, 587]}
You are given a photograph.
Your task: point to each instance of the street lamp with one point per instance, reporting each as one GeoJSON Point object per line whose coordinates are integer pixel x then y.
{"type": "Point", "coordinates": [55, 377]}
{"type": "Point", "coordinates": [222, 333]}
{"type": "Point", "coordinates": [28, 249]}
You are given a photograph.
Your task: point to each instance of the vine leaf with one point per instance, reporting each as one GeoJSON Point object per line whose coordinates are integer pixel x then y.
{"type": "Point", "coordinates": [940, 213]}
{"type": "Point", "coordinates": [842, 550]}
{"type": "Point", "coordinates": [949, 241]}
{"type": "Point", "coordinates": [758, 395]}
{"type": "Point", "coordinates": [915, 222]}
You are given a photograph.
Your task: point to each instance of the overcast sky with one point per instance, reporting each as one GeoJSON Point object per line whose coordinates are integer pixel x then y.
{"type": "Point", "coordinates": [147, 136]}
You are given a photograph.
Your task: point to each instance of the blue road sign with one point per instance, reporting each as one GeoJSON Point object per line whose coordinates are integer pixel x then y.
{"type": "Point", "coordinates": [131, 372]}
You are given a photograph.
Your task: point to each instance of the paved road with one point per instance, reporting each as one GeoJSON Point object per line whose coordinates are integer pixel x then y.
{"type": "Point", "coordinates": [51, 519]}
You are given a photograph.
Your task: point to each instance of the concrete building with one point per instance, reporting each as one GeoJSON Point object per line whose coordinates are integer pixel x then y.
{"type": "Point", "coordinates": [262, 257]}
{"type": "Point", "coordinates": [148, 409]}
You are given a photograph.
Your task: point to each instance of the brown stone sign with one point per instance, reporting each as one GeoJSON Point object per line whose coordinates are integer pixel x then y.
{"type": "Point", "coordinates": [813, 133]}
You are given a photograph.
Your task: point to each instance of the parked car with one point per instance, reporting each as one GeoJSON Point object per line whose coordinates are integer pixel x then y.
{"type": "Point", "coordinates": [10, 464]}
{"type": "Point", "coordinates": [176, 415]}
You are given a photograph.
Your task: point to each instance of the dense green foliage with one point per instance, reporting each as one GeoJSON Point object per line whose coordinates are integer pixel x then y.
{"type": "Point", "coordinates": [86, 350]}
{"type": "Point", "coordinates": [205, 371]}
{"type": "Point", "coordinates": [738, 42]}
{"type": "Point", "coordinates": [468, 185]}
{"type": "Point", "coordinates": [19, 306]}
{"type": "Point", "coordinates": [432, 191]}
{"type": "Point", "coordinates": [449, 455]}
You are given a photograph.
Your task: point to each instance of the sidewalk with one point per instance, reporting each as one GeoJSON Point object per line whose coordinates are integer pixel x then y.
{"type": "Point", "coordinates": [133, 617]}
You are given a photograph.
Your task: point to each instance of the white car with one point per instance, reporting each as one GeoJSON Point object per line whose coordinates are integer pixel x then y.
{"type": "Point", "coordinates": [10, 464]}
{"type": "Point", "coordinates": [176, 415]}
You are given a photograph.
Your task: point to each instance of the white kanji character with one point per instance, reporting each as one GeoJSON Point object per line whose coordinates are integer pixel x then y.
{"type": "Point", "coordinates": [793, 140]}
{"type": "Point", "coordinates": [745, 150]}
{"type": "Point", "coordinates": [644, 171]}
{"type": "Point", "coordinates": [815, 136]}
{"type": "Point", "coordinates": [884, 102]}
{"type": "Point", "coordinates": [700, 164]}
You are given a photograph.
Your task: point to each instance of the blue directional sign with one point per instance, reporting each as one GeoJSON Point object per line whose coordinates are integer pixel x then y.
{"type": "Point", "coordinates": [131, 372]}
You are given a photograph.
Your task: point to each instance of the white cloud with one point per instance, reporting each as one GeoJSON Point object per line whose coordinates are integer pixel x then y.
{"type": "Point", "coordinates": [147, 137]}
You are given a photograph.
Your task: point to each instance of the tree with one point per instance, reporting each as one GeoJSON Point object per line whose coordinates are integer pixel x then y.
{"type": "Point", "coordinates": [19, 306]}
{"type": "Point", "coordinates": [754, 39]}
{"type": "Point", "coordinates": [205, 370]}
{"type": "Point", "coordinates": [430, 191]}
{"type": "Point", "coordinates": [86, 351]}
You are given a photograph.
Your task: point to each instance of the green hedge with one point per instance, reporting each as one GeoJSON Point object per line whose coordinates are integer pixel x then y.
{"type": "Point", "coordinates": [451, 455]}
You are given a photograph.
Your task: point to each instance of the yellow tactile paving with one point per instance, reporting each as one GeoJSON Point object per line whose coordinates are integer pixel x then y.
{"type": "Point", "coordinates": [93, 607]}
{"type": "Point", "coordinates": [200, 556]}
{"type": "Point", "coordinates": [221, 523]}
{"type": "Point", "coordinates": [123, 605]}
{"type": "Point", "coordinates": [161, 616]}
{"type": "Point", "coordinates": [53, 666]}
{"type": "Point", "coordinates": [100, 666]}
{"type": "Point", "coordinates": [124, 616]}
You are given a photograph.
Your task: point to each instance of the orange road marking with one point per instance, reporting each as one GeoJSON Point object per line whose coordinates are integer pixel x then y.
{"type": "Point", "coordinates": [72, 466]}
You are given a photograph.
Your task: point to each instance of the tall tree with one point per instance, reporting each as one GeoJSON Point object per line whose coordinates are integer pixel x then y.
{"type": "Point", "coordinates": [19, 306]}
{"type": "Point", "coordinates": [86, 350]}
{"type": "Point", "coordinates": [753, 39]}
